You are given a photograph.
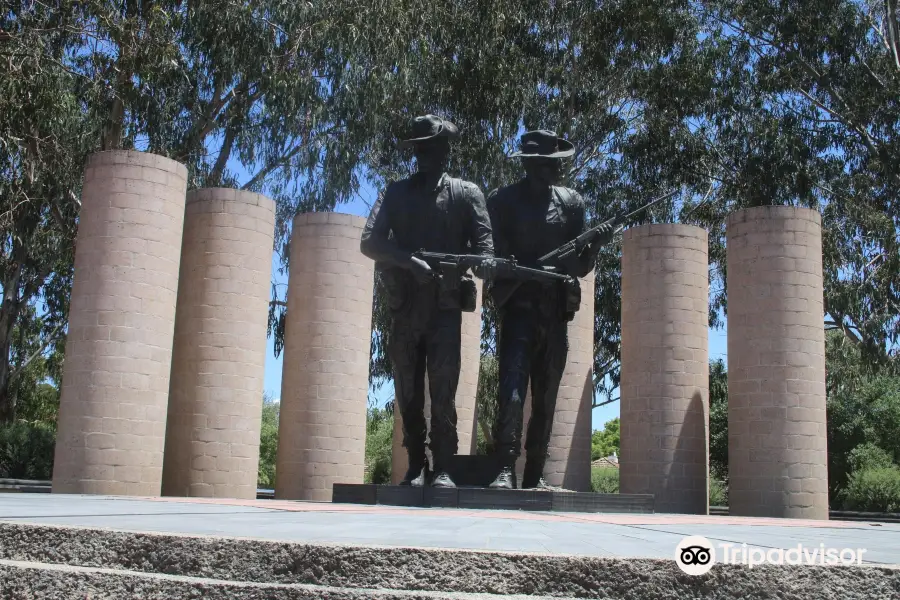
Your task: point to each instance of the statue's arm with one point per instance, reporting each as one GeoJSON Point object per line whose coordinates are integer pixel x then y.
{"type": "Point", "coordinates": [588, 257]}
{"type": "Point", "coordinates": [480, 232]}
{"type": "Point", "coordinates": [375, 242]}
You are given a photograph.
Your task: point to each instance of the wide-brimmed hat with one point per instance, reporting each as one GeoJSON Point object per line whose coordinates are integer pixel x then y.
{"type": "Point", "coordinates": [543, 144]}
{"type": "Point", "coordinates": [429, 127]}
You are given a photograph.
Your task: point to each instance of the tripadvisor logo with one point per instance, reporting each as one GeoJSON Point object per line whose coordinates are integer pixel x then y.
{"type": "Point", "coordinates": [696, 555]}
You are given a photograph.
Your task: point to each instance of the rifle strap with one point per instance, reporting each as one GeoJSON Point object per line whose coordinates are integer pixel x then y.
{"type": "Point", "coordinates": [455, 208]}
{"type": "Point", "coordinates": [456, 193]}
{"type": "Point", "coordinates": [566, 198]}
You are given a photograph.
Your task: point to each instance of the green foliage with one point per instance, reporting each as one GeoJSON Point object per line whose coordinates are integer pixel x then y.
{"type": "Point", "coordinates": [869, 456]}
{"type": "Point", "coordinates": [863, 421]}
{"type": "Point", "coordinates": [268, 443]}
{"type": "Point", "coordinates": [718, 492]}
{"type": "Point", "coordinates": [718, 419]}
{"type": "Point", "coordinates": [605, 480]}
{"type": "Point", "coordinates": [875, 489]}
{"type": "Point", "coordinates": [26, 450]}
{"type": "Point", "coordinates": [486, 402]}
{"type": "Point", "coordinates": [45, 137]}
{"type": "Point", "coordinates": [379, 444]}
{"type": "Point", "coordinates": [605, 441]}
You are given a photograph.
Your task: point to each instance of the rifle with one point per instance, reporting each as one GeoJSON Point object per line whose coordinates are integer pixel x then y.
{"type": "Point", "coordinates": [561, 257]}
{"type": "Point", "coordinates": [455, 265]}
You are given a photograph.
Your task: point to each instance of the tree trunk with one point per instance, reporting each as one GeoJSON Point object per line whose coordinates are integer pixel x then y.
{"type": "Point", "coordinates": [9, 312]}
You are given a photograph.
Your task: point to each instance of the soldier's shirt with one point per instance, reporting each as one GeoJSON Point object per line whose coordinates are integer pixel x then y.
{"type": "Point", "coordinates": [528, 227]}
{"type": "Point", "coordinates": [420, 217]}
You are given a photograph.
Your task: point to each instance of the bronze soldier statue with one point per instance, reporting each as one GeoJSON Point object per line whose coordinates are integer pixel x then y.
{"type": "Point", "coordinates": [434, 212]}
{"type": "Point", "coordinates": [530, 219]}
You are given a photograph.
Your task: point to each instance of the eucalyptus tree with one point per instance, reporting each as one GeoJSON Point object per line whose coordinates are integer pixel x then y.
{"type": "Point", "coordinates": [44, 140]}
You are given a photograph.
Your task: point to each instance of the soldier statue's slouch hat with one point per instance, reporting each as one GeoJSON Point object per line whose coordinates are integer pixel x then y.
{"type": "Point", "coordinates": [429, 127]}
{"type": "Point", "coordinates": [543, 144]}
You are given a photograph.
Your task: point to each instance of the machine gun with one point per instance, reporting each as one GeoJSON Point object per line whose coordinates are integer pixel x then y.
{"type": "Point", "coordinates": [563, 257]}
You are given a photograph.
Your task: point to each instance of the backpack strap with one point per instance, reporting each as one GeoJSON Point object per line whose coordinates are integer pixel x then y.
{"type": "Point", "coordinates": [565, 195]}
{"type": "Point", "coordinates": [456, 192]}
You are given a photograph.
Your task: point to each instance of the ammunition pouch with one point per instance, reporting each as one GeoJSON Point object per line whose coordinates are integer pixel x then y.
{"type": "Point", "coordinates": [396, 287]}
{"type": "Point", "coordinates": [455, 292]}
{"type": "Point", "coordinates": [571, 290]}
{"type": "Point", "coordinates": [468, 294]}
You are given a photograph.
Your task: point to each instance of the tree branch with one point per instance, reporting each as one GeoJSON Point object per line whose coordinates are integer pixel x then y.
{"type": "Point", "coordinates": [599, 404]}
{"type": "Point", "coordinates": [54, 335]}
{"type": "Point", "coordinates": [267, 170]}
{"type": "Point", "coordinates": [893, 37]}
{"type": "Point", "coordinates": [215, 176]}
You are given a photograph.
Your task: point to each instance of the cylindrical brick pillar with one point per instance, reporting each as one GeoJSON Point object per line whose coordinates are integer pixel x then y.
{"type": "Point", "coordinates": [322, 425]}
{"type": "Point", "coordinates": [470, 363]}
{"type": "Point", "coordinates": [219, 353]}
{"type": "Point", "coordinates": [777, 459]}
{"type": "Point", "coordinates": [112, 415]}
{"type": "Point", "coordinates": [569, 462]}
{"type": "Point", "coordinates": [664, 386]}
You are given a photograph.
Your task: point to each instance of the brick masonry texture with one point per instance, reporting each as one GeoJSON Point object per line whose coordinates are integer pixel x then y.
{"type": "Point", "coordinates": [112, 416]}
{"type": "Point", "coordinates": [664, 383]}
{"type": "Point", "coordinates": [219, 353]}
{"type": "Point", "coordinates": [465, 396]}
{"type": "Point", "coordinates": [324, 387]}
{"type": "Point", "coordinates": [777, 455]}
{"type": "Point", "coordinates": [569, 462]}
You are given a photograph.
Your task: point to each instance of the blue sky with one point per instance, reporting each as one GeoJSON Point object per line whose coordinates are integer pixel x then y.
{"type": "Point", "coordinates": [717, 340]}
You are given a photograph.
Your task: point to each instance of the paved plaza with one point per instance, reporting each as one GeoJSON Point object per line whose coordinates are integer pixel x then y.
{"type": "Point", "coordinates": [601, 535]}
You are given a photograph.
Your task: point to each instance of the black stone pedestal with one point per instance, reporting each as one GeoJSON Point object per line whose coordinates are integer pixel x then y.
{"type": "Point", "coordinates": [473, 475]}
{"type": "Point", "coordinates": [485, 498]}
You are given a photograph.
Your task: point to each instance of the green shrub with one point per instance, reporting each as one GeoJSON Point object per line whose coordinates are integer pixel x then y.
{"type": "Point", "coordinates": [26, 450]}
{"type": "Point", "coordinates": [718, 492]}
{"type": "Point", "coordinates": [379, 443]}
{"type": "Point", "coordinates": [875, 489]}
{"type": "Point", "coordinates": [605, 480]}
{"type": "Point", "coordinates": [868, 456]}
{"type": "Point", "coordinates": [268, 444]}
{"type": "Point", "coordinates": [605, 441]}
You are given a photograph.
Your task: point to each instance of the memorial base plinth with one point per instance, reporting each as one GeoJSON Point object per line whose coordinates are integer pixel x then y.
{"type": "Point", "coordinates": [486, 498]}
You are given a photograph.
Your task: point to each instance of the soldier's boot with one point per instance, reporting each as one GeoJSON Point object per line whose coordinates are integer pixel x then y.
{"type": "Point", "coordinates": [441, 477]}
{"type": "Point", "coordinates": [506, 479]}
{"type": "Point", "coordinates": [417, 473]}
{"type": "Point", "coordinates": [533, 477]}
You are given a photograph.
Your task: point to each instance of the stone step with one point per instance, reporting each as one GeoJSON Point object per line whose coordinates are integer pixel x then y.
{"type": "Point", "coordinates": [360, 568]}
{"type": "Point", "coordinates": [41, 581]}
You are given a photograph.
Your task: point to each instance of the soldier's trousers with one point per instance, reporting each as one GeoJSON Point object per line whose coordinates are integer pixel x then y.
{"type": "Point", "coordinates": [534, 347]}
{"type": "Point", "coordinates": [433, 344]}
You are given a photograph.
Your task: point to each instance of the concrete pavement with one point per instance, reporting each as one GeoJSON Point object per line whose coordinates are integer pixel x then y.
{"type": "Point", "coordinates": [596, 535]}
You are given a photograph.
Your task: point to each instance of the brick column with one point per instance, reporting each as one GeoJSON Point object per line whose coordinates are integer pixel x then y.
{"type": "Point", "coordinates": [665, 367]}
{"type": "Point", "coordinates": [112, 415]}
{"type": "Point", "coordinates": [322, 426]}
{"type": "Point", "coordinates": [777, 457]}
{"type": "Point", "coordinates": [569, 462]}
{"type": "Point", "coordinates": [219, 354]}
{"type": "Point", "coordinates": [465, 396]}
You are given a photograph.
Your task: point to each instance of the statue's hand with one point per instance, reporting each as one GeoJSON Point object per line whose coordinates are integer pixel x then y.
{"type": "Point", "coordinates": [420, 269]}
{"type": "Point", "coordinates": [487, 270]}
{"type": "Point", "coordinates": [605, 233]}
